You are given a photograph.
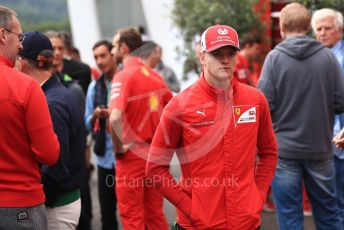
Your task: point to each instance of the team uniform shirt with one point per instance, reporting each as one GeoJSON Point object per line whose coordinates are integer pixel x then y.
{"type": "Point", "coordinates": [243, 73]}
{"type": "Point", "coordinates": [141, 93]}
{"type": "Point", "coordinates": [227, 150]}
{"type": "Point", "coordinates": [27, 138]}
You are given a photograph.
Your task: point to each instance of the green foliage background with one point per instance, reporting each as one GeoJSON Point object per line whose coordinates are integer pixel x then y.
{"type": "Point", "coordinates": [40, 15]}
{"type": "Point", "coordinates": [318, 4]}
{"type": "Point", "coordinates": [192, 17]}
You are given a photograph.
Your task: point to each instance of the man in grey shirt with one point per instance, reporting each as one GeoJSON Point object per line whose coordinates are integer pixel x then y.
{"type": "Point", "coordinates": [302, 82]}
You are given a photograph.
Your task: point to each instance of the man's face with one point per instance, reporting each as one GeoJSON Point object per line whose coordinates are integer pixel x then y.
{"type": "Point", "coordinates": [13, 43]}
{"type": "Point", "coordinates": [326, 32]}
{"type": "Point", "coordinates": [104, 59]}
{"type": "Point", "coordinates": [254, 50]}
{"type": "Point", "coordinates": [219, 64]}
{"type": "Point", "coordinates": [116, 49]}
{"type": "Point", "coordinates": [58, 47]}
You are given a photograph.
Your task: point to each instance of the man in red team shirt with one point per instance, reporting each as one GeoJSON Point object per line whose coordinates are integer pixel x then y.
{"type": "Point", "coordinates": [250, 49]}
{"type": "Point", "coordinates": [138, 95]}
{"type": "Point", "coordinates": [222, 133]}
{"type": "Point", "coordinates": [27, 138]}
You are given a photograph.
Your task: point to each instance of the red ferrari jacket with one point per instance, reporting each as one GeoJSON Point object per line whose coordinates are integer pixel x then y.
{"type": "Point", "coordinates": [228, 153]}
{"type": "Point", "coordinates": [27, 138]}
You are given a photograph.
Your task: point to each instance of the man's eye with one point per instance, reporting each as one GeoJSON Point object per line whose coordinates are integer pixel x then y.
{"type": "Point", "coordinates": [217, 54]}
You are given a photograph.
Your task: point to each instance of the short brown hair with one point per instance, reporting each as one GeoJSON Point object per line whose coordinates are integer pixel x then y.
{"type": "Point", "coordinates": [295, 18]}
{"type": "Point", "coordinates": [131, 37]}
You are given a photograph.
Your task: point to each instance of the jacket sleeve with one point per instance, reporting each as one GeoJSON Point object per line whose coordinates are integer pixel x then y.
{"type": "Point", "coordinates": [267, 150]}
{"type": "Point", "coordinates": [89, 108]}
{"type": "Point", "coordinates": [265, 83]}
{"type": "Point", "coordinates": [165, 141]}
{"type": "Point", "coordinates": [58, 172]}
{"type": "Point", "coordinates": [44, 143]}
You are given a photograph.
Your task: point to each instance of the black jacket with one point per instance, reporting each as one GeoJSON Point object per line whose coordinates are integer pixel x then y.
{"type": "Point", "coordinates": [80, 72]}
{"type": "Point", "coordinates": [68, 173]}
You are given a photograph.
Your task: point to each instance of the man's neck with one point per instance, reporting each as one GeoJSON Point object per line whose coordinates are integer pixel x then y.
{"type": "Point", "coordinates": [218, 84]}
{"type": "Point", "coordinates": [127, 58]}
{"type": "Point", "coordinates": [41, 76]}
{"type": "Point", "coordinates": [109, 75]}
{"type": "Point", "coordinates": [58, 67]}
{"type": "Point", "coordinates": [294, 34]}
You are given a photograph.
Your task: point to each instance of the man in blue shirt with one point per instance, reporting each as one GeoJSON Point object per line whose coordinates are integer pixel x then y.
{"type": "Point", "coordinates": [96, 119]}
{"type": "Point", "coordinates": [327, 25]}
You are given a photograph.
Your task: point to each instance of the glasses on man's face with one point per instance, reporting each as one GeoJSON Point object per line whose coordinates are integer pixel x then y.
{"type": "Point", "coordinates": [20, 36]}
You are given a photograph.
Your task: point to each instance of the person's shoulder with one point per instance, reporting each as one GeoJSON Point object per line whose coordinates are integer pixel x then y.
{"type": "Point", "coordinates": [21, 80]}
{"type": "Point", "coordinates": [62, 97]}
{"type": "Point", "coordinates": [13, 73]}
{"type": "Point", "coordinates": [92, 84]}
{"type": "Point", "coordinates": [72, 65]}
{"type": "Point", "coordinates": [187, 96]}
{"type": "Point", "coordinates": [128, 71]}
{"type": "Point", "coordinates": [248, 91]}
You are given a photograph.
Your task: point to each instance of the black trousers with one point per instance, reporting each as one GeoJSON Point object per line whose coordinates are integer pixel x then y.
{"type": "Point", "coordinates": [107, 198]}
{"type": "Point", "coordinates": [86, 204]}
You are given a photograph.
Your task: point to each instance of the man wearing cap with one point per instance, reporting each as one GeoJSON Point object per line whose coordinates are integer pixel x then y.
{"type": "Point", "coordinates": [27, 138]}
{"type": "Point", "coordinates": [302, 82]}
{"type": "Point", "coordinates": [222, 133]}
{"type": "Point", "coordinates": [62, 181]}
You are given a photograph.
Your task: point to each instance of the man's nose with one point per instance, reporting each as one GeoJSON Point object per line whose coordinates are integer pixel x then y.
{"type": "Point", "coordinates": [225, 58]}
{"type": "Point", "coordinates": [322, 31]}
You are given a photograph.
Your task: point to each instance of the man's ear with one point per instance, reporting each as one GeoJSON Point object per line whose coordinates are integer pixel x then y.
{"type": "Point", "coordinates": [124, 48]}
{"type": "Point", "coordinates": [202, 58]}
{"type": "Point", "coordinates": [282, 30]}
{"type": "Point", "coordinates": [2, 36]}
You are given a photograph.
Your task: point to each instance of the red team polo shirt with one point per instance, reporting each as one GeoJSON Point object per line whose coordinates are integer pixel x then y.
{"type": "Point", "coordinates": [141, 93]}
{"type": "Point", "coordinates": [242, 72]}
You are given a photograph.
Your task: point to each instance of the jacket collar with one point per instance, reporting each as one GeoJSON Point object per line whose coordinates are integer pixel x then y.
{"type": "Point", "coordinates": [218, 94]}
{"type": "Point", "coordinates": [50, 83]}
{"type": "Point", "coordinates": [6, 61]}
{"type": "Point", "coordinates": [132, 61]}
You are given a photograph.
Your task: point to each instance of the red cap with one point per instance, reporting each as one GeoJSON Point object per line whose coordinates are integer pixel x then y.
{"type": "Point", "coordinates": [218, 36]}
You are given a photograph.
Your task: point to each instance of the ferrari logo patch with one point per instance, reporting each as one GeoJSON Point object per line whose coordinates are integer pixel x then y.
{"type": "Point", "coordinates": [244, 114]}
{"type": "Point", "coordinates": [153, 103]}
{"type": "Point", "coordinates": [237, 111]}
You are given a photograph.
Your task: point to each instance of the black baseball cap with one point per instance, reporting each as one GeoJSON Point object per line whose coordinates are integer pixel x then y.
{"type": "Point", "coordinates": [37, 47]}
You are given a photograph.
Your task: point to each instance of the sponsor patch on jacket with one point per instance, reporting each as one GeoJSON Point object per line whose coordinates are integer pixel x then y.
{"type": "Point", "coordinates": [203, 123]}
{"type": "Point", "coordinates": [244, 114]}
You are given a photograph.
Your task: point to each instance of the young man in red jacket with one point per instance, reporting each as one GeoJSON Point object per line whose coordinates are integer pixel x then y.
{"type": "Point", "coordinates": [138, 95]}
{"type": "Point", "coordinates": [222, 133]}
{"type": "Point", "coordinates": [26, 134]}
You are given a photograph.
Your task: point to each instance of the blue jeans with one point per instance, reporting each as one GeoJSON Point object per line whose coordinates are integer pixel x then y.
{"type": "Point", "coordinates": [32, 218]}
{"type": "Point", "coordinates": [319, 180]}
{"type": "Point", "coordinates": [339, 165]}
